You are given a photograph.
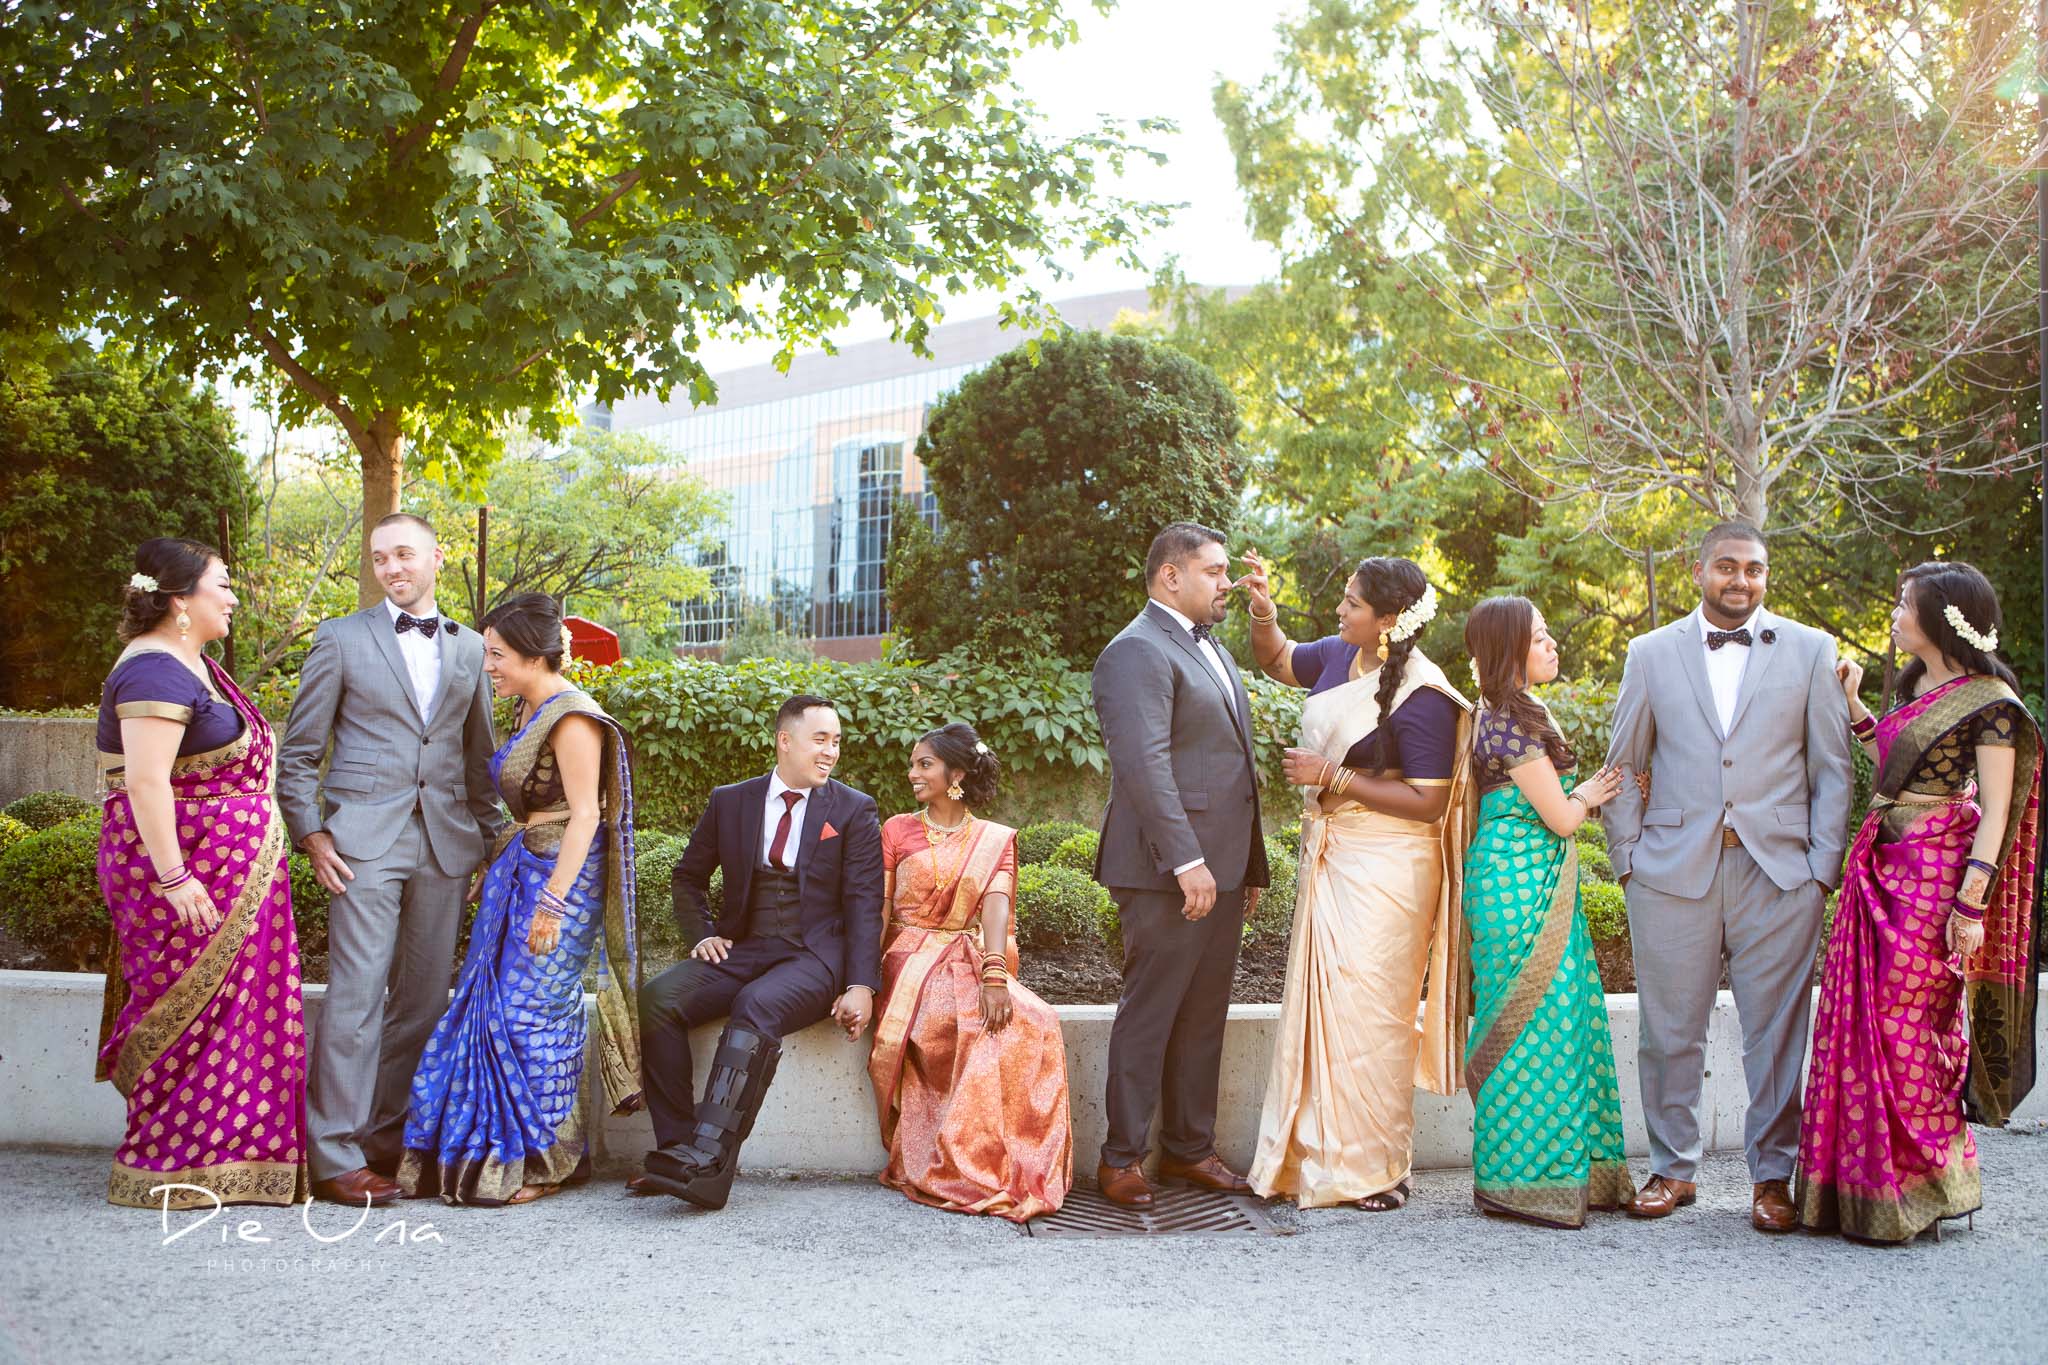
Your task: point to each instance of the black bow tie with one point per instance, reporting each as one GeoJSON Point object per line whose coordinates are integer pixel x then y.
{"type": "Point", "coordinates": [429, 625]}
{"type": "Point", "coordinates": [1717, 638]}
{"type": "Point", "coordinates": [1203, 632]}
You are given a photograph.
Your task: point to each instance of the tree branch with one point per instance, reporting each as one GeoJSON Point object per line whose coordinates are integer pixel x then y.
{"type": "Point", "coordinates": [403, 146]}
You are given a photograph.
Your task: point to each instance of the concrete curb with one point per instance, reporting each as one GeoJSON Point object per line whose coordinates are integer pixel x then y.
{"type": "Point", "coordinates": [820, 1116]}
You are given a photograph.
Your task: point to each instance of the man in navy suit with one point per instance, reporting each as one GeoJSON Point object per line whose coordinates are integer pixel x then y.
{"type": "Point", "coordinates": [800, 936]}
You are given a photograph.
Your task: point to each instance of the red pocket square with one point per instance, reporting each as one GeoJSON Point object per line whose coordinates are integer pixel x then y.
{"type": "Point", "coordinates": [828, 832]}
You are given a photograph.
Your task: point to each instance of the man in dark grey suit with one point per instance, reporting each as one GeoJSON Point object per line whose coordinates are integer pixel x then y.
{"type": "Point", "coordinates": [1737, 718]}
{"type": "Point", "coordinates": [1183, 856]}
{"type": "Point", "coordinates": [402, 819]}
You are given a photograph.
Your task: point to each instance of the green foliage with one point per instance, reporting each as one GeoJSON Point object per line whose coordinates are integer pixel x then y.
{"type": "Point", "coordinates": [42, 810]}
{"type": "Point", "coordinates": [50, 893]}
{"type": "Point", "coordinates": [1584, 712]}
{"type": "Point", "coordinates": [1077, 852]}
{"type": "Point", "coordinates": [1606, 910]}
{"type": "Point", "coordinates": [655, 855]}
{"type": "Point", "coordinates": [1058, 906]}
{"type": "Point", "coordinates": [601, 523]}
{"type": "Point", "coordinates": [1594, 863]}
{"type": "Point", "coordinates": [1274, 918]}
{"type": "Point", "coordinates": [430, 217]}
{"type": "Point", "coordinates": [12, 831]}
{"type": "Point", "coordinates": [1054, 467]}
{"type": "Point", "coordinates": [310, 902]}
{"type": "Point", "coordinates": [759, 635]}
{"type": "Point", "coordinates": [1042, 842]}
{"type": "Point", "coordinates": [99, 450]}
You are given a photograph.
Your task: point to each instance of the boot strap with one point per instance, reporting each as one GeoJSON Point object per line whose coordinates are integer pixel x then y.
{"type": "Point", "coordinates": [734, 1056]}
{"type": "Point", "coordinates": [722, 1117]}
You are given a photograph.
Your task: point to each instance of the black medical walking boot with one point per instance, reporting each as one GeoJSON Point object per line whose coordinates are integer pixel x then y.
{"type": "Point", "coordinates": [701, 1167]}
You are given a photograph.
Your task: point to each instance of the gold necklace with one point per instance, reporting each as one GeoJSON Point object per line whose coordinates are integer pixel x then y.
{"type": "Point", "coordinates": [936, 835]}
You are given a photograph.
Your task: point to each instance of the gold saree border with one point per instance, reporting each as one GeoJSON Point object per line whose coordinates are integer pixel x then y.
{"type": "Point", "coordinates": [1533, 982]}
{"type": "Point", "coordinates": [166, 1021]}
{"type": "Point", "coordinates": [232, 1182]}
{"type": "Point", "coordinates": [1951, 1192]}
{"type": "Point", "coordinates": [498, 1180]}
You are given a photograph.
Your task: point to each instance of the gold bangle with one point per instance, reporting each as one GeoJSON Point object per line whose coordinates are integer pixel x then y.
{"type": "Point", "coordinates": [1268, 619]}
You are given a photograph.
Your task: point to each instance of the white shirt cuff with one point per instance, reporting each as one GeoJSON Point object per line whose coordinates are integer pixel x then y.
{"type": "Point", "coordinates": [1184, 867]}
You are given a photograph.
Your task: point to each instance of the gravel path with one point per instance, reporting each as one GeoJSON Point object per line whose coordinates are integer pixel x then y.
{"type": "Point", "coordinates": [820, 1270]}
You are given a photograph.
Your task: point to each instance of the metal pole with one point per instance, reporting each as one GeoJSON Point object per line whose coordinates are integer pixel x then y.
{"type": "Point", "coordinates": [1650, 565]}
{"type": "Point", "coordinates": [227, 557]}
{"type": "Point", "coordinates": [483, 555]}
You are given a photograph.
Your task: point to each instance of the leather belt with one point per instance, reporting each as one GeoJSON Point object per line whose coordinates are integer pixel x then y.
{"type": "Point", "coordinates": [1729, 839]}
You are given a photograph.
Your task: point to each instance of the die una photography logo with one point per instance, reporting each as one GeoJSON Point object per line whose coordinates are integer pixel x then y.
{"type": "Point", "coordinates": [251, 1243]}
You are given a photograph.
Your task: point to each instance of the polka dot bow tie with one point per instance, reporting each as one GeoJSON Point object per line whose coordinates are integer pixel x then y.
{"type": "Point", "coordinates": [426, 626]}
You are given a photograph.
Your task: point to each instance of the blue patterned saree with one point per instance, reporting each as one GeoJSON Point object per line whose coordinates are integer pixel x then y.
{"type": "Point", "coordinates": [497, 1102]}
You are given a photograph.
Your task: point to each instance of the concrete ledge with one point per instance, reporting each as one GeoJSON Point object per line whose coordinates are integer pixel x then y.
{"type": "Point", "coordinates": [47, 753]}
{"type": "Point", "coordinates": [820, 1116]}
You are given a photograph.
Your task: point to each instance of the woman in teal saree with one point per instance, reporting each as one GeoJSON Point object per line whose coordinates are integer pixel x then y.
{"type": "Point", "coordinates": [1546, 1127]}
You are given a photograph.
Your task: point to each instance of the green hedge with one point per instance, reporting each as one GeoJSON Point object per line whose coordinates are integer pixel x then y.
{"type": "Point", "coordinates": [50, 893]}
{"type": "Point", "coordinates": [1077, 852]}
{"type": "Point", "coordinates": [1059, 907]}
{"type": "Point", "coordinates": [12, 832]}
{"type": "Point", "coordinates": [1606, 910]}
{"type": "Point", "coordinates": [655, 855]}
{"type": "Point", "coordinates": [45, 810]}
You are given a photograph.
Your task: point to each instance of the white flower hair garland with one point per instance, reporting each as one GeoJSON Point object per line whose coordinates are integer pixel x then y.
{"type": "Point", "coordinates": [1953, 614]}
{"type": "Point", "coordinates": [1414, 617]}
{"type": "Point", "coordinates": [142, 582]}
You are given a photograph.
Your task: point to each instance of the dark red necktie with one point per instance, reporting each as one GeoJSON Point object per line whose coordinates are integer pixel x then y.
{"type": "Point", "coordinates": [789, 800]}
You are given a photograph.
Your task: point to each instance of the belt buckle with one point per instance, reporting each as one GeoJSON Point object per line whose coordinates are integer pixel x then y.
{"type": "Point", "coordinates": [1729, 838]}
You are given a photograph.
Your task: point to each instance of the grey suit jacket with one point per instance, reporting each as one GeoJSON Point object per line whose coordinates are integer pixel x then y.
{"type": "Point", "coordinates": [1781, 777]}
{"type": "Point", "coordinates": [1182, 781]}
{"type": "Point", "coordinates": [356, 698]}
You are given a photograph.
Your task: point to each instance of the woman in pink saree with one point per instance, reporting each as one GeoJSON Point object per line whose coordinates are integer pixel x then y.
{"type": "Point", "coordinates": [202, 1031]}
{"type": "Point", "coordinates": [1935, 925]}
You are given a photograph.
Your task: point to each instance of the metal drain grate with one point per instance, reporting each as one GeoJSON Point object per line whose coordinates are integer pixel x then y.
{"type": "Point", "coordinates": [1175, 1213]}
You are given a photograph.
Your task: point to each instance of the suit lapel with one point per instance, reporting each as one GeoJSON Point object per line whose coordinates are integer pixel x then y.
{"type": "Point", "coordinates": [377, 620]}
{"type": "Point", "coordinates": [815, 811]}
{"type": "Point", "coordinates": [1694, 666]}
{"type": "Point", "coordinates": [1181, 637]}
{"type": "Point", "coordinates": [1761, 657]}
{"type": "Point", "coordinates": [444, 643]}
{"type": "Point", "coordinates": [753, 795]}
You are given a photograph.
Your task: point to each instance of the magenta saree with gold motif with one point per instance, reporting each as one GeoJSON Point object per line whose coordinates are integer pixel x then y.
{"type": "Point", "coordinates": [1885, 1145]}
{"type": "Point", "coordinates": [202, 1032]}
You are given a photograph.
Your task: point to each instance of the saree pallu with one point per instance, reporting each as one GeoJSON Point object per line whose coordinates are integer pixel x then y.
{"type": "Point", "coordinates": [203, 1033]}
{"type": "Point", "coordinates": [1885, 1144]}
{"type": "Point", "coordinates": [1546, 1125]}
{"type": "Point", "coordinates": [1377, 913]}
{"type": "Point", "coordinates": [497, 1102]}
{"type": "Point", "coordinates": [975, 1122]}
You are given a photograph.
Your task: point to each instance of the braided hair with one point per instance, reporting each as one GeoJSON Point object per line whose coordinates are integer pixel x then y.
{"type": "Point", "coordinates": [1931, 589]}
{"type": "Point", "coordinates": [1391, 586]}
{"type": "Point", "coordinates": [1498, 634]}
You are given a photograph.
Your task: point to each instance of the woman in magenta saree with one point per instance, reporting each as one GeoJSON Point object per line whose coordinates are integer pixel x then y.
{"type": "Point", "coordinates": [1934, 925]}
{"type": "Point", "coordinates": [202, 1031]}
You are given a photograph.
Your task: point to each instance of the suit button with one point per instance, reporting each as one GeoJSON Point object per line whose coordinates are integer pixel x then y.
{"type": "Point", "coordinates": [1727, 762]}
{"type": "Point", "coordinates": [1725, 805]}
{"type": "Point", "coordinates": [424, 741]}
{"type": "Point", "coordinates": [423, 786]}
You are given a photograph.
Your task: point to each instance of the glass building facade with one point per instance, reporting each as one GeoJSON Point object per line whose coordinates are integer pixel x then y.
{"type": "Point", "coordinates": [812, 464]}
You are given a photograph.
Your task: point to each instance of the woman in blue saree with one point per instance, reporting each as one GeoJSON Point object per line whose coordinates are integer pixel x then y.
{"type": "Point", "coordinates": [497, 1114]}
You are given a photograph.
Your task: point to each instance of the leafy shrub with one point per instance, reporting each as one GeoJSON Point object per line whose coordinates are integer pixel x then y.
{"type": "Point", "coordinates": [310, 902]}
{"type": "Point", "coordinates": [1038, 843]}
{"type": "Point", "coordinates": [1274, 918]}
{"type": "Point", "coordinates": [1593, 860]}
{"type": "Point", "coordinates": [655, 855]}
{"type": "Point", "coordinates": [1289, 838]}
{"type": "Point", "coordinates": [12, 832]}
{"type": "Point", "coordinates": [1606, 910]}
{"type": "Point", "coordinates": [50, 893]}
{"type": "Point", "coordinates": [1058, 907]}
{"type": "Point", "coordinates": [45, 810]}
{"type": "Point", "coordinates": [1584, 711]}
{"type": "Point", "coordinates": [1077, 852]}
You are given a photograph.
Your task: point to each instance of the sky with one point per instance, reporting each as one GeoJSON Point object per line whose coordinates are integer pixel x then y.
{"type": "Point", "coordinates": [1146, 58]}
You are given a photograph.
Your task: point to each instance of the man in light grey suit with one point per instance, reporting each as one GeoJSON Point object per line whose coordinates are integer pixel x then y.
{"type": "Point", "coordinates": [1183, 857]}
{"type": "Point", "coordinates": [402, 819]}
{"type": "Point", "coordinates": [1736, 717]}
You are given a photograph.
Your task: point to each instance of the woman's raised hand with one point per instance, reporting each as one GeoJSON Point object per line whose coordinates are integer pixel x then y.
{"type": "Point", "coordinates": [1849, 674]}
{"type": "Point", "coordinates": [1256, 583]}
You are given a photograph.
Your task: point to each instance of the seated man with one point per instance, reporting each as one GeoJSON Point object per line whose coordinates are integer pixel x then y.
{"type": "Point", "coordinates": [800, 936]}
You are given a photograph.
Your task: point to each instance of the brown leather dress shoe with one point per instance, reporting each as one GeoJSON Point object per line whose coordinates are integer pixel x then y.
{"type": "Point", "coordinates": [1770, 1207]}
{"type": "Point", "coordinates": [357, 1187]}
{"type": "Point", "coordinates": [1661, 1196]}
{"type": "Point", "coordinates": [1124, 1185]}
{"type": "Point", "coordinates": [1209, 1173]}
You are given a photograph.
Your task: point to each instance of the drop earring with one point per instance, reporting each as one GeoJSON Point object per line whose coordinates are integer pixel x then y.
{"type": "Point", "coordinates": [184, 626]}
{"type": "Point", "coordinates": [1383, 646]}
{"type": "Point", "coordinates": [957, 792]}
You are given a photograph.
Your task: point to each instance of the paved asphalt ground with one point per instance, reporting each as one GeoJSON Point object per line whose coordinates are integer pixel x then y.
{"type": "Point", "coordinates": [825, 1270]}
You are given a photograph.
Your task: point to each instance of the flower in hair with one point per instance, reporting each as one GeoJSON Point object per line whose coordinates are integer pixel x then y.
{"type": "Point", "coordinates": [1476, 681]}
{"type": "Point", "coordinates": [142, 582]}
{"type": "Point", "coordinates": [1967, 633]}
{"type": "Point", "coordinates": [980, 747]}
{"type": "Point", "coordinates": [1415, 616]}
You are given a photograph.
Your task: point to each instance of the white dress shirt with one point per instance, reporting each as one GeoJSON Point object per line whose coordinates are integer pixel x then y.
{"type": "Point", "coordinates": [422, 656]}
{"type": "Point", "coordinates": [1725, 665]}
{"type": "Point", "coordinates": [772, 817]}
{"type": "Point", "coordinates": [1222, 667]}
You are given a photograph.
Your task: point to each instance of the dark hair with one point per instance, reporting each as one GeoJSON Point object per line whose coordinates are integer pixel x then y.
{"type": "Point", "coordinates": [1729, 530]}
{"type": "Point", "coordinates": [177, 565]}
{"type": "Point", "coordinates": [407, 519]}
{"type": "Point", "coordinates": [954, 745]}
{"type": "Point", "coordinates": [1175, 544]}
{"type": "Point", "coordinates": [1390, 586]}
{"type": "Point", "coordinates": [1498, 634]}
{"type": "Point", "coordinates": [530, 624]}
{"type": "Point", "coordinates": [792, 711]}
{"type": "Point", "coordinates": [1933, 588]}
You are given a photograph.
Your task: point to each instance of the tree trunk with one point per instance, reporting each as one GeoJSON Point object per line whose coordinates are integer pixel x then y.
{"type": "Point", "coordinates": [381, 445]}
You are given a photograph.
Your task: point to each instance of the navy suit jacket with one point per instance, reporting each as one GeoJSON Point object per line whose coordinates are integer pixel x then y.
{"type": "Point", "coordinates": [839, 879]}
